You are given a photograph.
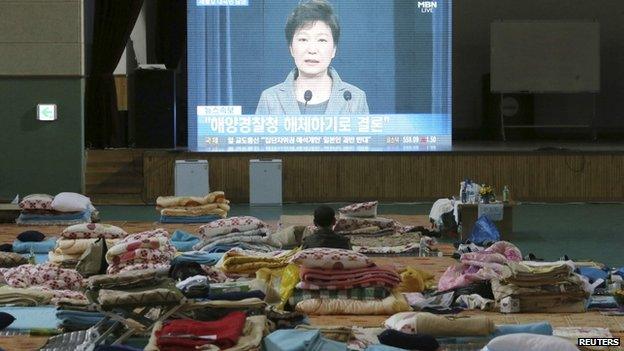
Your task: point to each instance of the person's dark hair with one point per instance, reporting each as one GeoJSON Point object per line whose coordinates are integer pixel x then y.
{"type": "Point", "coordinates": [324, 216]}
{"type": "Point", "coordinates": [308, 12]}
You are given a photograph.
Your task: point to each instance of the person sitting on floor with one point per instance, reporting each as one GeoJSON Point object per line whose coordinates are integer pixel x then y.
{"type": "Point", "coordinates": [324, 219]}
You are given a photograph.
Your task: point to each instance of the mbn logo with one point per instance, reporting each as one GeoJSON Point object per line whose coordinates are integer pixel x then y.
{"type": "Point", "coordinates": [427, 6]}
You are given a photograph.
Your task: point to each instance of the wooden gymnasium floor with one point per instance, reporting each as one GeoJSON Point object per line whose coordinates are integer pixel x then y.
{"type": "Point", "coordinates": [435, 265]}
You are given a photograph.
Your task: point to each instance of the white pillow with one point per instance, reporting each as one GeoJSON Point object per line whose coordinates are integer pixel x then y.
{"type": "Point", "coordinates": [70, 202]}
{"type": "Point", "coordinates": [532, 342]}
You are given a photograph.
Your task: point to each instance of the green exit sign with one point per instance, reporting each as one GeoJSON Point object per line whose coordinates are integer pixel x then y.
{"type": "Point", "coordinates": [46, 112]}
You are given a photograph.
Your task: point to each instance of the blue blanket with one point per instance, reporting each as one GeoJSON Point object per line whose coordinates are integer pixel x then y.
{"type": "Point", "coordinates": [29, 318]}
{"type": "Point", "coordinates": [183, 241]}
{"type": "Point", "coordinates": [189, 219]}
{"type": "Point", "coordinates": [201, 257]}
{"type": "Point", "coordinates": [39, 247]}
{"type": "Point", "coordinates": [542, 328]}
{"type": "Point", "coordinates": [58, 219]}
{"type": "Point", "coordinates": [295, 340]}
{"type": "Point", "coordinates": [39, 257]}
{"type": "Point", "coordinates": [78, 319]}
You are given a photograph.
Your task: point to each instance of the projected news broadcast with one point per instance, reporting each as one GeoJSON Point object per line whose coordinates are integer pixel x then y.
{"type": "Point", "coordinates": [319, 75]}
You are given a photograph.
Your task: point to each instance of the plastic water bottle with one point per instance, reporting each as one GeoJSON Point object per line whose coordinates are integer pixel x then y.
{"type": "Point", "coordinates": [505, 194]}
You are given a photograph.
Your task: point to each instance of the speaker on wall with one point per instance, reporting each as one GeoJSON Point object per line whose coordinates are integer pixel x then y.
{"type": "Point", "coordinates": [517, 109]}
{"type": "Point", "coordinates": [151, 108]}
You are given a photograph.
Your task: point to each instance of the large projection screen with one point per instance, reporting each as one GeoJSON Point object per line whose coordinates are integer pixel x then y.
{"type": "Point", "coordinates": [545, 56]}
{"type": "Point", "coordinates": [389, 70]}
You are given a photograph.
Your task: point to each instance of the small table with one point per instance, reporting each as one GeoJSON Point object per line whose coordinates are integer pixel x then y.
{"type": "Point", "coordinates": [468, 214]}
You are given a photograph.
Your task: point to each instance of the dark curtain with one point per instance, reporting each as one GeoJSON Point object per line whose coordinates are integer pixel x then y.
{"type": "Point", "coordinates": [170, 31]}
{"type": "Point", "coordinates": [113, 21]}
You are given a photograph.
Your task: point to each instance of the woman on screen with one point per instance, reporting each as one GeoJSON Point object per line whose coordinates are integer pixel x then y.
{"type": "Point", "coordinates": [313, 87]}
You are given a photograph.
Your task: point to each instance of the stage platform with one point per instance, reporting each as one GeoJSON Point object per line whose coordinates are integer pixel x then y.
{"type": "Point", "coordinates": [535, 171]}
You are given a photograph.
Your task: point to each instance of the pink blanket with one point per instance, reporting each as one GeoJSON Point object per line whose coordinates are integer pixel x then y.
{"type": "Point", "coordinates": [315, 278]}
{"type": "Point", "coordinates": [42, 275]}
{"type": "Point", "coordinates": [488, 264]}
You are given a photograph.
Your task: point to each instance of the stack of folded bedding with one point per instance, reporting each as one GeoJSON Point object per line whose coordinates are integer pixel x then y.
{"type": "Point", "coordinates": [62, 209]}
{"type": "Point", "coordinates": [543, 287]}
{"type": "Point", "coordinates": [193, 209]}
{"type": "Point", "coordinates": [133, 288]}
{"type": "Point", "coordinates": [42, 275]}
{"type": "Point", "coordinates": [247, 263]}
{"type": "Point", "coordinates": [336, 281]}
{"type": "Point", "coordinates": [491, 263]}
{"type": "Point", "coordinates": [76, 239]}
{"type": "Point", "coordinates": [234, 231]}
{"type": "Point", "coordinates": [146, 250]}
{"type": "Point", "coordinates": [59, 283]}
{"type": "Point", "coordinates": [32, 242]}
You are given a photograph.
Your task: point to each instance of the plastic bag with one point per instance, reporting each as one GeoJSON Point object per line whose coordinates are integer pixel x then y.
{"type": "Point", "coordinates": [290, 278]}
{"type": "Point", "coordinates": [483, 231]}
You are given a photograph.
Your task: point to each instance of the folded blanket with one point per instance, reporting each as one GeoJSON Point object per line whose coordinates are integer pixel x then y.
{"type": "Point", "coordinates": [254, 330]}
{"type": "Point", "coordinates": [37, 247]}
{"type": "Point", "coordinates": [183, 241]}
{"type": "Point", "coordinates": [220, 210]}
{"type": "Point", "coordinates": [156, 243]}
{"type": "Point", "coordinates": [125, 280]}
{"type": "Point", "coordinates": [142, 256]}
{"type": "Point", "coordinates": [164, 292]}
{"type": "Point", "coordinates": [230, 225]}
{"type": "Point", "coordinates": [188, 201]}
{"type": "Point", "coordinates": [345, 279]}
{"type": "Point", "coordinates": [42, 275]}
{"type": "Point", "coordinates": [389, 305]}
{"type": "Point", "coordinates": [323, 275]}
{"type": "Point", "coordinates": [250, 236]}
{"type": "Point", "coordinates": [93, 231]}
{"type": "Point", "coordinates": [72, 319]}
{"type": "Point", "coordinates": [129, 267]}
{"type": "Point", "coordinates": [179, 334]}
{"type": "Point", "coordinates": [24, 296]}
{"type": "Point", "coordinates": [363, 294]}
{"type": "Point", "coordinates": [291, 340]}
{"type": "Point", "coordinates": [538, 273]}
{"type": "Point", "coordinates": [248, 262]}
{"type": "Point", "coordinates": [436, 325]}
{"type": "Point", "coordinates": [312, 278]}
{"type": "Point", "coordinates": [201, 257]}
{"type": "Point", "coordinates": [542, 328]}
{"type": "Point", "coordinates": [189, 219]}
{"type": "Point", "coordinates": [149, 249]}
{"type": "Point", "coordinates": [78, 246]}
{"type": "Point", "coordinates": [69, 218]}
